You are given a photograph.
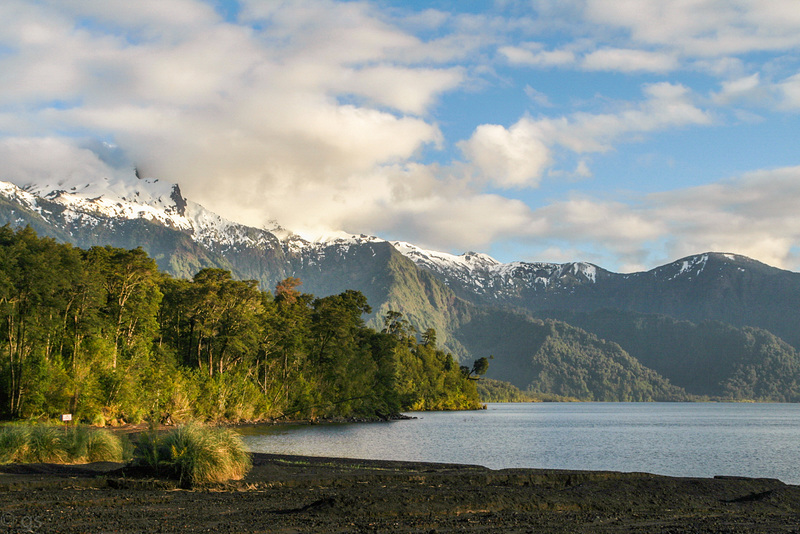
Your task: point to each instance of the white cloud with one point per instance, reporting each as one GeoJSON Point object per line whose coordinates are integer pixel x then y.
{"type": "Point", "coordinates": [411, 90]}
{"type": "Point", "coordinates": [754, 215]}
{"type": "Point", "coordinates": [318, 113]}
{"type": "Point", "coordinates": [518, 156]}
{"type": "Point", "coordinates": [511, 157]}
{"type": "Point", "coordinates": [538, 97]}
{"type": "Point", "coordinates": [703, 28]}
{"type": "Point", "coordinates": [627, 60]}
{"type": "Point", "coordinates": [657, 36]}
{"type": "Point", "coordinates": [610, 222]}
{"type": "Point", "coordinates": [789, 92]}
{"type": "Point", "coordinates": [533, 55]}
{"type": "Point", "coordinates": [746, 87]}
{"type": "Point", "coordinates": [25, 161]}
{"type": "Point", "coordinates": [316, 94]}
{"type": "Point", "coordinates": [466, 222]}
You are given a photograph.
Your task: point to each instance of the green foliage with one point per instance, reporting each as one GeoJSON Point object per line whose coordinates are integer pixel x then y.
{"type": "Point", "coordinates": [195, 454]}
{"type": "Point", "coordinates": [102, 334]}
{"type": "Point", "coordinates": [427, 377]}
{"type": "Point", "coordinates": [46, 445]}
{"type": "Point", "coordinates": [574, 363]}
{"type": "Point", "coordinates": [491, 390]}
{"type": "Point", "coordinates": [93, 445]}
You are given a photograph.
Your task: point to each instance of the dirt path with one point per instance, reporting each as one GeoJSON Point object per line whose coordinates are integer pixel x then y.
{"type": "Point", "coordinates": [323, 495]}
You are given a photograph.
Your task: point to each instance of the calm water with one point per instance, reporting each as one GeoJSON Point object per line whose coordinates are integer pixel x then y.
{"type": "Point", "coordinates": [691, 439]}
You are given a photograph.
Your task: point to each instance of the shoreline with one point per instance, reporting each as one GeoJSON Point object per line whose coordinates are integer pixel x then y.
{"type": "Point", "coordinates": [286, 493]}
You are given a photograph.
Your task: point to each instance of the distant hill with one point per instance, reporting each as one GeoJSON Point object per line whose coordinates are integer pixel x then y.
{"type": "Point", "coordinates": [707, 358]}
{"type": "Point", "coordinates": [546, 356]}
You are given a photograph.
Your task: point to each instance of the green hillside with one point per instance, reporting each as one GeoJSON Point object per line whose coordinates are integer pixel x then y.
{"type": "Point", "coordinates": [552, 357]}
{"type": "Point", "coordinates": [709, 358]}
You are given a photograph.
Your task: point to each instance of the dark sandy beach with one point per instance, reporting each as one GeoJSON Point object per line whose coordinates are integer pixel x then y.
{"type": "Point", "coordinates": [300, 494]}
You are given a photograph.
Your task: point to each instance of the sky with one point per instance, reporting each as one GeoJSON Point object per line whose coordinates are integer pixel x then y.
{"type": "Point", "coordinates": [626, 133]}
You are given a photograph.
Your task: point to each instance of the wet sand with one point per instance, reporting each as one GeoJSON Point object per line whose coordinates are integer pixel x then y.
{"type": "Point", "coordinates": [290, 494]}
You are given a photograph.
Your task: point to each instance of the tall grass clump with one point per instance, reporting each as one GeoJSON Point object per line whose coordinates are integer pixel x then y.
{"type": "Point", "coordinates": [58, 444]}
{"type": "Point", "coordinates": [46, 444]}
{"type": "Point", "coordinates": [93, 445]}
{"type": "Point", "coordinates": [13, 444]}
{"type": "Point", "coordinates": [196, 454]}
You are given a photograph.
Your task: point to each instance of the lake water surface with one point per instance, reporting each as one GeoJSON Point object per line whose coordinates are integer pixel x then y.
{"type": "Point", "coordinates": [678, 439]}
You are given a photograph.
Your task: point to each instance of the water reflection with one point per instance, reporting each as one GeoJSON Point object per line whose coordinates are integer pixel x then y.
{"type": "Point", "coordinates": [679, 439]}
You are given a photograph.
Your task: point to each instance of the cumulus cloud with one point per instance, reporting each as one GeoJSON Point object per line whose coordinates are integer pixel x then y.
{"type": "Point", "coordinates": [509, 157]}
{"type": "Point", "coordinates": [27, 161]}
{"type": "Point", "coordinates": [656, 36]}
{"type": "Point", "coordinates": [517, 156]}
{"type": "Point", "coordinates": [789, 91]}
{"type": "Point", "coordinates": [533, 55]}
{"type": "Point", "coordinates": [754, 215]}
{"type": "Point", "coordinates": [452, 219]}
{"type": "Point", "coordinates": [752, 90]}
{"type": "Point", "coordinates": [295, 96]}
{"type": "Point", "coordinates": [319, 113]}
{"type": "Point", "coordinates": [740, 89]}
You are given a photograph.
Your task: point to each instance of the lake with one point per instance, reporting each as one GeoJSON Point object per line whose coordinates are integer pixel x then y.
{"type": "Point", "coordinates": [678, 439]}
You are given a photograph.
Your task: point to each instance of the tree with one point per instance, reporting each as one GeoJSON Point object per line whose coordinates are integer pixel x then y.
{"type": "Point", "coordinates": [103, 334]}
{"type": "Point", "coordinates": [37, 280]}
{"type": "Point", "coordinates": [395, 325]}
{"type": "Point", "coordinates": [479, 368]}
{"type": "Point", "coordinates": [131, 282]}
{"type": "Point", "coordinates": [286, 290]}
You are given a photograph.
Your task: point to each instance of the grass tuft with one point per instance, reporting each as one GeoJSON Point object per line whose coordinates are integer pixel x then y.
{"type": "Point", "coordinates": [196, 454]}
{"type": "Point", "coordinates": [58, 444]}
{"type": "Point", "coordinates": [46, 444]}
{"type": "Point", "coordinates": [13, 444]}
{"type": "Point", "coordinates": [103, 446]}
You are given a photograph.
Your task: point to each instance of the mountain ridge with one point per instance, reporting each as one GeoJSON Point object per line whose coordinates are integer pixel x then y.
{"type": "Point", "coordinates": [432, 289]}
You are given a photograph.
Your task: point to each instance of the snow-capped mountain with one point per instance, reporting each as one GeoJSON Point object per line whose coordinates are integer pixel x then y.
{"type": "Point", "coordinates": [134, 198]}
{"type": "Point", "coordinates": [476, 304]}
{"type": "Point", "coordinates": [183, 236]}
{"type": "Point", "coordinates": [483, 275]}
{"type": "Point", "coordinates": [127, 197]}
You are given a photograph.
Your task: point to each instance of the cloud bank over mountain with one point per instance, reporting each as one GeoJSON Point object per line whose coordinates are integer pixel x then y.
{"type": "Point", "coordinates": [539, 130]}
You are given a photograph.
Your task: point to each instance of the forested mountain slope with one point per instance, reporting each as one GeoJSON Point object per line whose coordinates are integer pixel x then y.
{"type": "Point", "coordinates": [547, 356]}
{"type": "Point", "coordinates": [707, 358]}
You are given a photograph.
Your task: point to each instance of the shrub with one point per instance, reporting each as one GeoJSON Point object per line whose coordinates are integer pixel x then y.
{"type": "Point", "coordinates": [196, 454]}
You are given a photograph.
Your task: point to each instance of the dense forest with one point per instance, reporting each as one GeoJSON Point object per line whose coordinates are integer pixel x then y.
{"type": "Point", "coordinates": [106, 336]}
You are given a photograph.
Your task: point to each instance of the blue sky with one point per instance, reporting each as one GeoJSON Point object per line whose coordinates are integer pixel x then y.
{"type": "Point", "coordinates": [627, 133]}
